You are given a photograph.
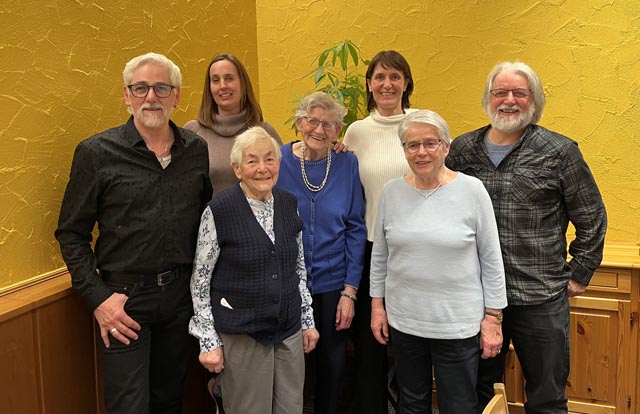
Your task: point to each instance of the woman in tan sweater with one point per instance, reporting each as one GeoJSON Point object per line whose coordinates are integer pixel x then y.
{"type": "Point", "coordinates": [228, 108]}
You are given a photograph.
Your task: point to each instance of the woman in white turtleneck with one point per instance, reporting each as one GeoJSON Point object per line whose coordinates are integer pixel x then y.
{"type": "Point", "coordinates": [375, 142]}
{"type": "Point", "coordinates": [228, 108]}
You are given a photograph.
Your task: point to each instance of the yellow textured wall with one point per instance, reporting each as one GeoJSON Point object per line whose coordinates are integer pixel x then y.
{"type": "Point", "coordinates": [61, 81]}
{"type": "Point", "coordinates": [586, 52]}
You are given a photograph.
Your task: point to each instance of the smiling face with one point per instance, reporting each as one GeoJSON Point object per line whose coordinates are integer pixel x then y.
{"type": "Point", "coordinates": [259, 169]}
{"type": "Point", "coordinates": [317, 139]}
{"type": "Point", "coordinates": [510, 114]}
{"type": "Point", "coordinates": [387, 87]}
{"type": "Point", "coordinates": [425, 164]}
{"type": "Point", "coordinates": [226, 87]}
{"type": "Point", "coordinates": [151, 111]}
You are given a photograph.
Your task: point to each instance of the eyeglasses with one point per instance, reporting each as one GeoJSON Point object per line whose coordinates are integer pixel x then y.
{"type": "Point", "coordinates": [326, 125]}
{"type": "Point", "coordinates": [141, 90]}
{"type": "Point", "coordinates": [517, 93]}
{"type": "Point", "coordinates": [429, 146]}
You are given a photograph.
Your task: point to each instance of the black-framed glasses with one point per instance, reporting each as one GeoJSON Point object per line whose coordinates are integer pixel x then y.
{"type": "Point", "coordinates": [519, 93]}
{"type": "Point", "coordinates": [413, 147]}
{"type": "Point", "coordinates": [314, 122]}
{"type": "Point", "coordinates": [141, 90]}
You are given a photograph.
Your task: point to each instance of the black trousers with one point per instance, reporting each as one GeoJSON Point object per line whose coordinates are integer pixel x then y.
{"type": "Point", "coordinates": [147, 376]}
{"type": "Point", "coordinates": [540, 335]}
{"type": "Point", "coordinates": [330, 353]}
{"type": "Point", "coordinates": [455, 362]}
{"type": "Point", "coordinates": [370, 356]}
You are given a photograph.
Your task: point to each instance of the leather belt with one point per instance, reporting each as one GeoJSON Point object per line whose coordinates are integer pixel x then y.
{"type": "Point", "coordinates": [148, 279]}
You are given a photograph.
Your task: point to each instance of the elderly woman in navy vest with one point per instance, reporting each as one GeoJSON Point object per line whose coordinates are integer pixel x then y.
{"type": "Point", "coordinates": [331, 205]}
{"type": "Point", "coordinates": [252, 308]}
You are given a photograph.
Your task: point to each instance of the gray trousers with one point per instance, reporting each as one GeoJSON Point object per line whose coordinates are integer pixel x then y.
{"type": "Point", "coordinates": [259, 379]}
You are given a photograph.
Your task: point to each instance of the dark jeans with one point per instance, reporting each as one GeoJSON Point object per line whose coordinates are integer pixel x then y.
{"type": "Point", "coordinates": [147, 376]}
{"type": "Point", "coordinates": [370, 356]}
{"type": "Point", "coordinates": [330, 353]}
{"type": "Point", "coordinates": [455, 362]}
{"type": "Point", "coordinates": [540, 335]}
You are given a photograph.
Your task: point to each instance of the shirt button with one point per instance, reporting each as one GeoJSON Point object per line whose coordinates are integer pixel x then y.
{"type": "Point", "coordinates": [274, 277]}
{"type": "Point", "coordinates": [273, 252]}
{"type": "Point", "coordinates": [495, 196]}
{"type": "Point", "coordinates": [275, 300]}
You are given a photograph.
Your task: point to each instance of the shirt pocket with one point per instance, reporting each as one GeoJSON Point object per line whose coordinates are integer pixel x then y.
{"type": "Point", "coordinates": [534, 186]}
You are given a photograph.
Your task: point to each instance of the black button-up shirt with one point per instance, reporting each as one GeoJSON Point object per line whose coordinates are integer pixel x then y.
{"type": "Point", "coordinates": [541, 185]}
{"type": "Point", "coordinates": [147, 216]}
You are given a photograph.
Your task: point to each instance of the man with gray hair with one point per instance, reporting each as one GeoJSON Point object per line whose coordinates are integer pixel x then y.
{"type": "Point", "coordinates": [145, 183]}
{"type": "Point", "coordinates": [539, 182]}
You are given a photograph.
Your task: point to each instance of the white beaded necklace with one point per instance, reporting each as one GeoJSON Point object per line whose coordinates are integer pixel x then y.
{"type": "Point", "coordinates": [310, 186]}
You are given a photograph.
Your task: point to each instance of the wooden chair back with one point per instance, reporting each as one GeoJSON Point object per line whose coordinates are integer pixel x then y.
{"type": "Point", "coordinates": [498, 404]}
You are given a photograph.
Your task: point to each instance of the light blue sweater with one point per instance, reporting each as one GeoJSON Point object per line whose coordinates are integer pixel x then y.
{"type": "Point", "coordinates": [437, 261]}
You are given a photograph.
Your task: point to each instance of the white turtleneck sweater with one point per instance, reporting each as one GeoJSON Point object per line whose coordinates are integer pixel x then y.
{"type": "Point", "coordinates": [375, 142]}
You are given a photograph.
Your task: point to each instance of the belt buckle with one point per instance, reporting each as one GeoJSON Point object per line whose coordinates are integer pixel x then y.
{"type": "Point", "coordinates": [164, 279]}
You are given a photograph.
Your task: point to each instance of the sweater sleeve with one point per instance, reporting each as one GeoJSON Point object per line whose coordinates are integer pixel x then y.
{"type": "Point", "coordinates": [356, 230]}
{"type": "Point", "coordinates": [489, 252]}
{"type": "Point", "coordinates": [379, 254]}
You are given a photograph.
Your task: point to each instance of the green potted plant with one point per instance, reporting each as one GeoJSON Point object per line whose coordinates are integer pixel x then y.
{"type": "Point", "coordinates": [337, 74]}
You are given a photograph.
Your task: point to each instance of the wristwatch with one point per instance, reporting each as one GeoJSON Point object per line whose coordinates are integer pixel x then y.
{"type": "Point", "coordinates": [498, 315]}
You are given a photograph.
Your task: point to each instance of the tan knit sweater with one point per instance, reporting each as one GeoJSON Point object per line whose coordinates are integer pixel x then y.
{"type": "Point", "coordinates": [220, 141]}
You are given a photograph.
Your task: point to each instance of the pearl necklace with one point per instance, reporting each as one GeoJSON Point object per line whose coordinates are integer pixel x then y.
{"type": "Point", "coordinates": [310, 186]}
{"type": "Point", "coordinates": [423, 193]}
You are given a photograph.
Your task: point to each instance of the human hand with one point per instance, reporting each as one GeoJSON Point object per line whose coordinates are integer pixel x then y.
{"type": "Point", "coordinates": [113, 320]}
{"type": "Point", "coordinates": [379, 323]}
{"type": "Point", "coordinates": [309, 339]}
{"type": "Point", "coordinates": [213, 360]}
{"type": "Point", "coordinates": [575, 289]}
{"type": "Point", "coordinates": [490, 337]}
{"type": "Point", "coordinates": [344, 313]}
{"type": "Point", "coordinates": [339, 146]}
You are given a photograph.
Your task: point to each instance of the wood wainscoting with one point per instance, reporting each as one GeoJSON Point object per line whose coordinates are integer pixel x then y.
{"type": "Point", "coordinates": [48, 356]}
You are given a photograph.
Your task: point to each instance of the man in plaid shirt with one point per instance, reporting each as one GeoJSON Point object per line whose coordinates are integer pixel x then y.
{"type": "Point", "coordinates": [538, 182]}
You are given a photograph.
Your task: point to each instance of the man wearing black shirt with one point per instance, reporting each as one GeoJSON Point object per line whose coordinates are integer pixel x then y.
{"type": "Point", "coordinates": [145, 183]}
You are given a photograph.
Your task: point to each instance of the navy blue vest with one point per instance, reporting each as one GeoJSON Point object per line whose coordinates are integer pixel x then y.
{"type": "Point", "coordinates": [256, 278]}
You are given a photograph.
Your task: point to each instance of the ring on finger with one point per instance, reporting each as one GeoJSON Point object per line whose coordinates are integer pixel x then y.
{"type": "Point", "coordinates": [113, 331]}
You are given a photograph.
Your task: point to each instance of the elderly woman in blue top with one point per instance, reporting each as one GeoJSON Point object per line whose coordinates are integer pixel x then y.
{"type": "Point", "coordinates": [252, 308]}
{"type": "Point", "coordinates": [330, 203]}
{"type": "Point", "coordinates": [437, 278]}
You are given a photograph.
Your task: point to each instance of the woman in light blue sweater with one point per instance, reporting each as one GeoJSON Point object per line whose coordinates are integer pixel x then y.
{"type": "Point", "coordinates": [437, 278]}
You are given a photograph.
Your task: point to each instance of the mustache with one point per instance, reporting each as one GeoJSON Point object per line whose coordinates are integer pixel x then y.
{"type": "Point", "coordinates": [151, 106]}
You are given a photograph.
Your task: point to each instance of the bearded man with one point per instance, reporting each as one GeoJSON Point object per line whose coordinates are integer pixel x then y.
{"type": "Point", "coordinates": [539, 182]}
{"type": "Point", "coordinates": [145, 183]}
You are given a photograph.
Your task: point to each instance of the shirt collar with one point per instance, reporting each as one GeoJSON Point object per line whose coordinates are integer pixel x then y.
{"type": "Point", "coordinates": [134, 138]}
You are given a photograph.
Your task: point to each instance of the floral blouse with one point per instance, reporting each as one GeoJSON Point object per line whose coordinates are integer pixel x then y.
{"type": "Point", "coordinates": [202, 324]}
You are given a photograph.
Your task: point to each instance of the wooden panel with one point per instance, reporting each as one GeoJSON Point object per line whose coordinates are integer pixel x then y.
{"type": "Point", "coordinates": [65, 345]}
{"type": "Point", "coordinates": [593, 356]}
{"type": "Point", "coordinates": [18, 373]}
{"type": "Point", "coordinates": [609, 279]}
